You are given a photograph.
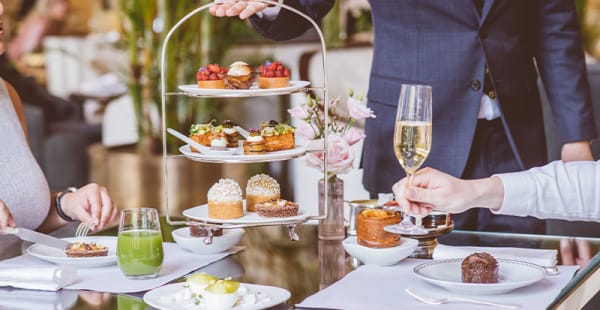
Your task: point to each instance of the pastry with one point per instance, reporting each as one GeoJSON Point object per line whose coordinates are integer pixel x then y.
{"type": "Point", "coordinates": [277, 208]}
{"type": "Point", "coordinates": [232, 135]}
{"type": "Point", "coordinates": [239, 76]}
{"type": "Point", "coordinates": [254, 144]}
{"type": "Point", "coordinates": [261, 188]}
{"type": "Point", "coordinates": [218, 141]}
{"type": "Point", "coordinates": [82, 249]}
{"type": "Point", "coordinates": [211, 76]}
{"type": "Point", "coordinates": [479, 268]}
{"type": "Point", "coordinates": [277, 136]}
{"type": "Point", "coordinates": [369, 228]}
{"type": "Point", "coordinates": [202, 134]}
{"type": "Point", "coordinates": [273, 75]}
{"type": "Point", "coordinates": [225, 200]}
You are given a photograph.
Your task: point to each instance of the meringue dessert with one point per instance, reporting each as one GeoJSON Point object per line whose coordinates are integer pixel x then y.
{"type": "Point", "coordinates": [225, 200]}
{"type": "Point", "coordinates": [261, 188]}
{"type": "Point", "coordinates": [239, 76]}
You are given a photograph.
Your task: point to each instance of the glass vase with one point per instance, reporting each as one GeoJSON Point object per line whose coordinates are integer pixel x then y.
{"type": "Point", "coordinates": [332, 227]}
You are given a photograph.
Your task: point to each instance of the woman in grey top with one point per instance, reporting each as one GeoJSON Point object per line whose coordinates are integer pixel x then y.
{"type": "Point", "coordinates": [25, 199]}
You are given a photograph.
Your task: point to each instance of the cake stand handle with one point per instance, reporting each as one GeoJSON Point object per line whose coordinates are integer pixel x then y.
{"type": "Point", "coordinates": [292, 232]}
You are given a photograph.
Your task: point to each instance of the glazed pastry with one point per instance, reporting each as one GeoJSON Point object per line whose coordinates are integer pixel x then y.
{"type": "Point", "coordinates": [232, 135]}
{"type": "Point", "coordinates": [201, 133]}
{"type": "Point", "coordinates": [479, 268]}
{"type": "Point", "coordinates": [277, 136]}
{"type": "Point", "coordinates": [211, 76]}
{"type": "Point", "coordinates": [273, 75]}
{"type": "Point", "coordinates": [369, 228]}
{"type": "Point", "coordinates": [239, 76]}
{"type": "Point", "coordinates": [254, 144]}
{"type": "Point", "coordinates": [261, 188]}
{"type": "Point", "coordinates": [218, 141]}
{"type": "Point", "coordinates": [225, 200]}
{"type": "Point", "coordinates": [277, 208]}
{"type": "Point", "coordinates": [82, 249]}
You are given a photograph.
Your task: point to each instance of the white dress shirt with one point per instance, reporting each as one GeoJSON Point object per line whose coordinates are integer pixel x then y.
{"type": "Point", "coordinates": [559, 190]}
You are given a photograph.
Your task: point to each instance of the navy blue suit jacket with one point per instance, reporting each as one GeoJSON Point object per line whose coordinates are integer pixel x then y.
{"type": "Point", "coordinates": [446, 44]}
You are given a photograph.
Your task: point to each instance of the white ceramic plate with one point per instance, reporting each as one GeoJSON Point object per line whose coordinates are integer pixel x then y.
{"type": "Point", "coordinates": [252, 91]}
{"type": "Point", "coordinates": [219, 244]}
{"type": "Point", "coordinates": [269, 156]}
{"type": "Point", "coordinates": [59, 257]}
{"type": "Point", "coordinates": [200, 213]}
{"type": "Point", "coordinates": [380, 256]}
{"type": "Point", "coordinates": [276, 295]}
{"type": "Point", "coordinates": [512, 275]}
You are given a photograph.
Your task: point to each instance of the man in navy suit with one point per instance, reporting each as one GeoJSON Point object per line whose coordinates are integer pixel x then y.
{"type": "Point", "coordinates": [480, 58]}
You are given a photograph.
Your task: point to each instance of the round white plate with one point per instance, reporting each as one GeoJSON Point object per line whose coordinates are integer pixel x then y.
{"type": "Point", "coordinates": [219, 244]}
{"type": "Point", "coordinates": [268, 156]}
{"type": "Point", "coordinates": [59, 257]}
{"type": "Point", "coordinates": [512, 275]}
{"type": "Point", "coordinates": [252, 91]}
{"type": "Point", "coordinates": [200, 213]}
{"type": "Point", "coordinates": [380, 256]}
{"type": "Point", "coordinates": [276, 296]}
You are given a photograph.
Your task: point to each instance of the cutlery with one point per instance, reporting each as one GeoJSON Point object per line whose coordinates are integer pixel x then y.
{"type": "Point", "coordinates": [202, 148]}
{"type": "Point", "coordinates": [440, 301]}
{"type": "Point", "coordinates": [34, 236]}
{"type": "Point", "coordinates": [242, 131]}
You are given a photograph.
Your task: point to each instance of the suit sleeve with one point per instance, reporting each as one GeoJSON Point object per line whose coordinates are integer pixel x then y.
{"type": "Point", "coordinates": [288, 24]}
{"type": "Point", "coordinates": [559, 190]}
{"type": "Point", "coordinates": [561, 64]}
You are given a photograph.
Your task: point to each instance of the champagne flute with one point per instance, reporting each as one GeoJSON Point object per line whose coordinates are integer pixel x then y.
{"type": "Point", "coordinates": [412, 141]}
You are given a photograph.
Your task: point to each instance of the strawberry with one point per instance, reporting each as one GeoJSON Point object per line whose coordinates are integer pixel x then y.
{"type": "Point", "coordinates": [213, 76]}
{"type": "Point", "coordinates": [279, 68]}
{"type": "Point", "coordinates": [203, 77]}
{"type": "Point", "coordinates": [214, 68]}
{"type": "Point", "coordinates": [269, 74]}
{"type": "Point", "coordinates": [272, 66]}
{"type": "Point", "coordinates": [198, 75]}
{"type": "Point", "coordinates": [261, 69]}
{"type": "Point", "coordinates": [286, 72]}
{"type": "Point", "coordinates": [279, 73]}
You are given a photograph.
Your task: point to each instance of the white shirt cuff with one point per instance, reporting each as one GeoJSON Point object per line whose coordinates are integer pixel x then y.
{"type": "Point", "coordinates": [517, 193]}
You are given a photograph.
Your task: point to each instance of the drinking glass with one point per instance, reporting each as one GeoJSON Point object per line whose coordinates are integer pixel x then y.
{"type": "Point", "coordinates": [412, 140]}
{"type": "Point", "coordinates": [139, 244]}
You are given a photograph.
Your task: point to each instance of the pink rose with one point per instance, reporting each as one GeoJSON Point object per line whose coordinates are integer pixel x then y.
{"type": "Point", "coordinates": [306, 131]}
{"type": "Point", "coordinates": [358, 110]}
{"type": "Point", "coordinates": [354, 135]}
{"type": "Point", "coordinates": [299, 112]}
{"type": "Point", "coordinates": [339, 157]}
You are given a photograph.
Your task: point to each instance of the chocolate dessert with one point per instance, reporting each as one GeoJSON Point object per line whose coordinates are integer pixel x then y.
{"type": "Point", "coordinates": [82, 249]}
{"type": "Point", "coordinates": [201, 231]}
{"type": "Point", "coordinates": [479, 268]}
{"type": "Point", "coordinates": [277, 208]}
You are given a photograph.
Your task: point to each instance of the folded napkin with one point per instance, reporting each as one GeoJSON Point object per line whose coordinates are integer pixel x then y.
{"type": "Point", "coordinates": [47, 278]}
{"type": "Point", "coordinates": [542, 257]}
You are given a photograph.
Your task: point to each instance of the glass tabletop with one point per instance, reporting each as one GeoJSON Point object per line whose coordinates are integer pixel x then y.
{"type": "Point", "coordinates": [303, 267]}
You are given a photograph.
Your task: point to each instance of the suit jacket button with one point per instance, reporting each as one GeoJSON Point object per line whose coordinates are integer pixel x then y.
{"type": "Point", "coordinates": [475, 85]}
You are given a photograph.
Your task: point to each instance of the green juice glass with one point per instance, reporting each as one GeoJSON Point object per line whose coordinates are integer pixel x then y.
{"type": "Point", "coordinates": [139, 244]}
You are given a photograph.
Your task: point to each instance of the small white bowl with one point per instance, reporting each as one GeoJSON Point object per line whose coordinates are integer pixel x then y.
{"type": "Point", "coordinates": [219, 244]}
{"type": "Point", "coordinates": [380, 256]}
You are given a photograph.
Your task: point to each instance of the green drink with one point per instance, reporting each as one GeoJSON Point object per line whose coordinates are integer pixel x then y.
{"type": "Point", "coordinates": [140, 252]}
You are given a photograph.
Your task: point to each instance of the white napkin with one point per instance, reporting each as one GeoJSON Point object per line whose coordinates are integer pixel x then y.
{"type": "Point", "coordinates": [47, 278]}
{"type": "Point", "coordinates": [542, 257]}
{"type": "Point", "coordinates": [382, 288]}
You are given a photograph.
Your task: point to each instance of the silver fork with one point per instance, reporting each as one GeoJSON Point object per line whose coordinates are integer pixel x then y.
{"type": "Point", "coordinates": [82, 230]}
{"type": "Point", "coordinates": [440, 301]}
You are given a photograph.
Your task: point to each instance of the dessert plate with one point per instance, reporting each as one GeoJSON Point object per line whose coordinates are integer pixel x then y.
{"type": "Point", "coordinates": [219, 244]}
{"type": "Point", "coordinates": [59, 257]}
{"type": "Point", "coordinates": [252, 91]}
{"type": "Point", "coordinates": [513, 274]}
{"type": "Point", "coordinates": [200, 213]}
{"type": "Point", "coordinates": [380, 256]}
{"type": "Point", "coordinates": [161, 298]}
{"type": "Point", "coordinates": [236, 157]}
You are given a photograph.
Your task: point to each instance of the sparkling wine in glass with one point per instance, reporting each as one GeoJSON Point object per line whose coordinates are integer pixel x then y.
{"type": "Point", "coordinates": [412, 140]}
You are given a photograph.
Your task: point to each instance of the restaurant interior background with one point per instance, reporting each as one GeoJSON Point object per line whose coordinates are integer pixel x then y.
{"type": "Point", "coordinates": [105, 58]}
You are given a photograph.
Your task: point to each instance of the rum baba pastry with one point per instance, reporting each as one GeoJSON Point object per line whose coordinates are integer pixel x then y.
{"type": "Point", "coordinates": [369, 228]}
{"type": "Point", "coordinates": [261, 188]}
{"type": "Point", "coordinates": [225, 200]}
{"type": "Point", "coordinates": [479, 268]}
{"type": "Point", "coordinates": [277, 208]}
{"type": "Point", "coordinates": [239, 76]}
{"type": "Point", "coordinates": [82, 249]}
{"type": "Point", "coordinates": [277, 136]}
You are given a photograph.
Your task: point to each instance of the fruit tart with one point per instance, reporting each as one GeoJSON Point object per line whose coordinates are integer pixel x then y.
{"type": "Point", "coordinates": [277, 136]}
{"type": "Point", "coordinates": [239, 76]}
{"type": "Point", "coordinates": [273, 75]}
{"type": "Point", "coordinates": [211, 76]}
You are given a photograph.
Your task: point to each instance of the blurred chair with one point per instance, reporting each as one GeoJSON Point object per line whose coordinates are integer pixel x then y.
{"type": "Point", "coordinates": [576, 228]}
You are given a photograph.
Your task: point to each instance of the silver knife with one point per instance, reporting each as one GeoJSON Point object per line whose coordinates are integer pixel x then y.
{"type": "Point", "coordinates": [34, 236]}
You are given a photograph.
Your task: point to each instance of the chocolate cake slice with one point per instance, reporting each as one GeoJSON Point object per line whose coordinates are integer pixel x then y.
{"type": "Point", "coordinates": [479, 268]}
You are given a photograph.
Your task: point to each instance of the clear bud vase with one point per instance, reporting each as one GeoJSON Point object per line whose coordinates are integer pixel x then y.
{"type": "Point", "coordinates": [332, 228]}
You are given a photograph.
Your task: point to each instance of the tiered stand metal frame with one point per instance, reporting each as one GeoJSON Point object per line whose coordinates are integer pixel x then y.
{"type": "Point", "coordinates": [290, 224]}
